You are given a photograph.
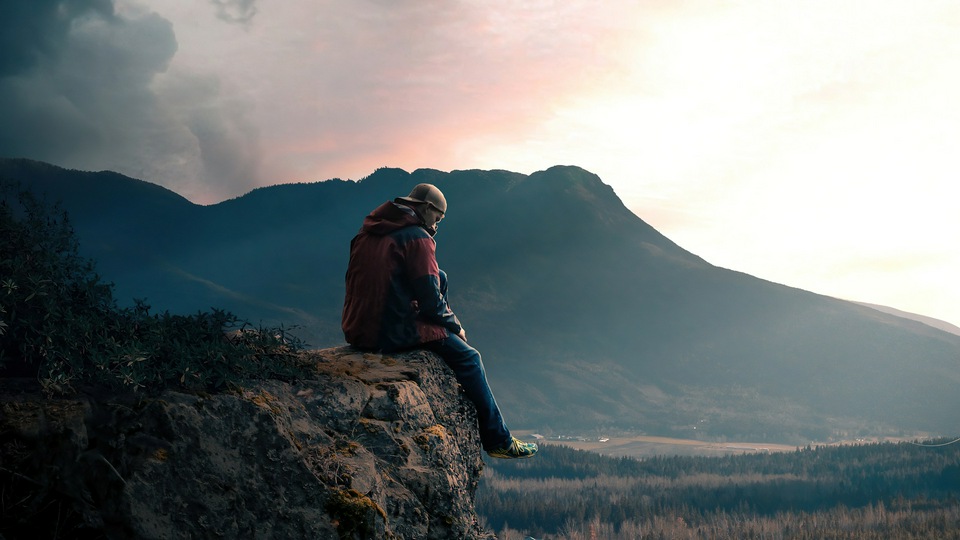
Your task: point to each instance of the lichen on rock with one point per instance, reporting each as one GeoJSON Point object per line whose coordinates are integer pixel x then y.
{"type": "Point", "coordinates": [363, 446]}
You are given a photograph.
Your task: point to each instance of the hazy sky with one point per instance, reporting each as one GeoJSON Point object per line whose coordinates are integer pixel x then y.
{"type": "Point", "coordinates": [811, 143]}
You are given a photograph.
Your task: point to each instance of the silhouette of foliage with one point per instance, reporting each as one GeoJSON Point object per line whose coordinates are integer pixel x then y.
{"type": "Point", "coordinates": [60, 323]}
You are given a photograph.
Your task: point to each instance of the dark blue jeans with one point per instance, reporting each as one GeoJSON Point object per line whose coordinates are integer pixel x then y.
{"type": "Point", "coordinates": [466, 364]}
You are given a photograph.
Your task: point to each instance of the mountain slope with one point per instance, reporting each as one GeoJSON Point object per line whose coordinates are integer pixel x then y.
{"type": "Point", "coordinates": [587, 317]}
{"type": "Point", "coordinates": [929, 321]}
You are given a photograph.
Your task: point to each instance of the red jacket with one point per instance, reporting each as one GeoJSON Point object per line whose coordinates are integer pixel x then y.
{"type": "Point", "coordinates": [393, 287]}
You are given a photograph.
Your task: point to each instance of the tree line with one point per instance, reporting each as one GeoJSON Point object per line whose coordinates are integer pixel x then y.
{"type": "Point", "coordinates": [868, 491]}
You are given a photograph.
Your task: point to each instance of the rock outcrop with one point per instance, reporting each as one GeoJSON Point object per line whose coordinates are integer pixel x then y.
{"type": "Point", "coordinates": [372, 446]}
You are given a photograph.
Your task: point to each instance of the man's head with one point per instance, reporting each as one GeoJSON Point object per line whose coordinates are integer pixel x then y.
{"type": "Point", "coordinates": [429, 203]}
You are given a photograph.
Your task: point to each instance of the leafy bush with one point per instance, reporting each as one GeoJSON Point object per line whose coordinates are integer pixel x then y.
{"type": "Point", "coordinates": [60, 322]}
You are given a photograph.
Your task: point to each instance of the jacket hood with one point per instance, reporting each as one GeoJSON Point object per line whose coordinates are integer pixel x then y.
{"type": "Point", "coordinates": [389, 217]}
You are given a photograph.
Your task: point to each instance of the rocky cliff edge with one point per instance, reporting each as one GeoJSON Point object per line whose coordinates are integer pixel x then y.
{"type": "Point", "coordinates": [372, 446]}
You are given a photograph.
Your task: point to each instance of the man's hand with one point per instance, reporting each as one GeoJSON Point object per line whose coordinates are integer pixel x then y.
{"type": "Point", "coordinates": [463, 334]}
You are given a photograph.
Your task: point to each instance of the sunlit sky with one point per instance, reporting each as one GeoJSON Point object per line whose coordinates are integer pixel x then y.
{"type": "Point", "coordinates": [808, 143]}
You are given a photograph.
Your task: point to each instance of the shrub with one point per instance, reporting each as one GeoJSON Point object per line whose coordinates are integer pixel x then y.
{"type": "Point", "coordinates": [60, 323]}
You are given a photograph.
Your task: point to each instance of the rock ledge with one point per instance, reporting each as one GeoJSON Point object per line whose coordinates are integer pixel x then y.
{"type": "Point", "coordinates": [373, 446]}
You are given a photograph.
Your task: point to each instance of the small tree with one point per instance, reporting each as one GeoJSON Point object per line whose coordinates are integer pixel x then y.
{"type": "Point", "coordinates": [49, 294]}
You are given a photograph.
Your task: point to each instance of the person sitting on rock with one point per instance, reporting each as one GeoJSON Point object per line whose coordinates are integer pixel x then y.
{"type": "Point", "coordinates": [396, 299]}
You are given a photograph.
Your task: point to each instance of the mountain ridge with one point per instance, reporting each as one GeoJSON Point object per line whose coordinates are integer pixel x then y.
{"type": "Point", "coordinates": [588, 318]}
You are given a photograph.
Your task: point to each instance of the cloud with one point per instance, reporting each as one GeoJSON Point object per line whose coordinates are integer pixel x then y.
{"type": "Point", "coordinates": [300, 91]}
{"type": "Point", "coordinates": [81, 87]}
{"type": "Point", "coordinates": [235, 11]}
{"type": "Point", "coordinates": [31, 31]}
{"type": "Point", "coordinates": [78, 89]}
{"type": "Point", "coordinates": [224, 151]}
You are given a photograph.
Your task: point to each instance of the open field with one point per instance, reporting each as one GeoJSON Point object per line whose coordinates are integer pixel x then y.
{"type": "Point", "coordinates": [648, 446]}
{"type": "Point", "coordinates": [644, 446]}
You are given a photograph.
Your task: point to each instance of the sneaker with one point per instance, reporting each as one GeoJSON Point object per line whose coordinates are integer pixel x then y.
{"type": "Point", "coordinates": [515, 449]}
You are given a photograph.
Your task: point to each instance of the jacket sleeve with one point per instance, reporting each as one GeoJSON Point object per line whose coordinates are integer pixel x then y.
{"type": "Point", "coordinates": [424, 273]}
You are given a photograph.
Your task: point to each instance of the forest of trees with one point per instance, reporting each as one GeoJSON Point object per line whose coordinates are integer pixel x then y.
{"type": "Point", "coordinates": [869, 491]}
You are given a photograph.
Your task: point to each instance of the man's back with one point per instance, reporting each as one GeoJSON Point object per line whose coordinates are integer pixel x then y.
{"type": "Point", "coordinates": [392, 280]}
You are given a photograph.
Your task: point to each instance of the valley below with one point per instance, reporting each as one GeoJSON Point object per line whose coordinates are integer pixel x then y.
{"type": "Point", "coordinates": [646, 446]}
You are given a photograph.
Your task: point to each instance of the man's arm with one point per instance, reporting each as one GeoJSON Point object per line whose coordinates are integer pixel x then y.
{"type": "Point", "coordinates": [433, 305]}
{"type": "Point", "coordinates": [422, 268]}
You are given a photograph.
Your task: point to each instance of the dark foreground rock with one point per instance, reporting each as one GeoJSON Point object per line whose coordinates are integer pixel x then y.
{"type": "Point", "coordinates": [371, 447]}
